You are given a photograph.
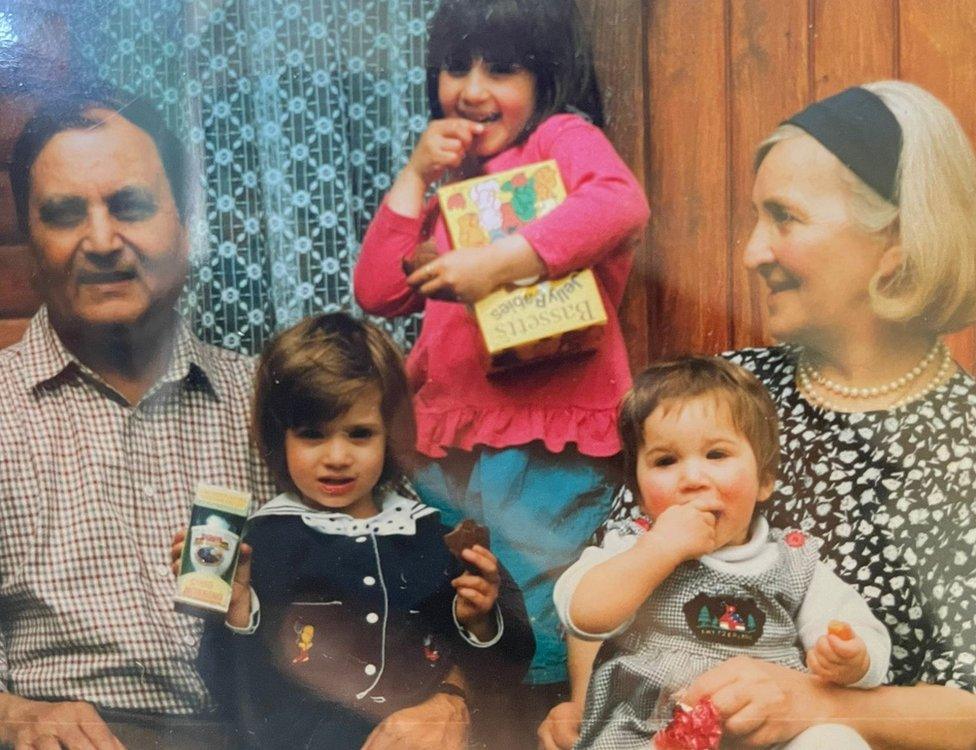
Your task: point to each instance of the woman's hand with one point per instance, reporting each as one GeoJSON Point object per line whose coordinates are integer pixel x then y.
{"type": "Point", "coordinates": [685, 531]}
{"type": "Point", "coordinates": [477, 593]}
{"type": "Point", "coordinates": [442, 147]}
{"type": "Point", "coordinates": [439, 722]}
{"type": "Point", "coordinates": [239, 611]}
{"type": "Point", "coordinates": [560, 729]}
{"type": "Point", "coordinates": [762, 703]}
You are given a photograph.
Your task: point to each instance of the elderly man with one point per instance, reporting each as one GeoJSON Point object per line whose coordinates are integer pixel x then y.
{"type": "Point", "coordinates": [110, 413]}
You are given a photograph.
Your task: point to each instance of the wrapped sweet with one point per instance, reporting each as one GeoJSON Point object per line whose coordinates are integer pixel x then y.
{"type": "Point", "coordinates": [698, 728]}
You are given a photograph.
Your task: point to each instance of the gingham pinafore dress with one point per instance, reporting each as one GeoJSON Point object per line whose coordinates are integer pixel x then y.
{"type": "Point", "coordinates": [696, 619]}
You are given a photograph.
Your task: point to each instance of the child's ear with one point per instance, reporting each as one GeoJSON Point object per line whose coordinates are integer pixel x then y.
{"type": "Point", "coordinates": [766, 487]}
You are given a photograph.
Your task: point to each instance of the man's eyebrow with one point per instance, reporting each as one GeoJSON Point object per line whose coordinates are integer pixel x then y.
{"type": "Point", "coordinates": [58, 207]}
{"type": "Point", "coordinates": [132, 193]}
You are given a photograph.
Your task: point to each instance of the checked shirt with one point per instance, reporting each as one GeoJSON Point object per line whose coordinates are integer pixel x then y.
{"type": "Point", "coordinates": [91, 491]}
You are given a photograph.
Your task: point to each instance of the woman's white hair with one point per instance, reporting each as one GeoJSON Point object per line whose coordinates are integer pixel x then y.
{"type": "Point", "coordinates": [935, 219]}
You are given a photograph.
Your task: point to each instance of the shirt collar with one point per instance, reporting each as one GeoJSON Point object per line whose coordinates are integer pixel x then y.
{"type": "Point", "coordinates": [398, 515]}
{"type": "Point", "coordinates": [755, 556]}
{"type": "Point", "coordinates": [46, 358]}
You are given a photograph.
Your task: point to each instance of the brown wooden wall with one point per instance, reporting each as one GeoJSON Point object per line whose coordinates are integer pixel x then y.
{"type": "Point", "coordinates": [27, 67]}
{"type": "Point", "coordinates": [694, 85]}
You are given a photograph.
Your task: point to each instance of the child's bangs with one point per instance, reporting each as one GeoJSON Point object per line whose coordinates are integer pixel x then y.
{"type": "Point", "coordinates": [311, 405]}
{"type": "Point", "coordinates": [497, 35]}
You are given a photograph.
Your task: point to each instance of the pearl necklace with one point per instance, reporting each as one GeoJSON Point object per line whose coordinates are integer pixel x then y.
{"type": "Point", "coordinates": [806, 376]}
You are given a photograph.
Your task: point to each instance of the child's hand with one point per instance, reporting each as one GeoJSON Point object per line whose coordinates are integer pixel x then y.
{"type": "Point", "coordinates": [459, 276]}
{"type": "Point", "coordinates": [686, 531]}
{"type": "Point", "coordinates": [442, 147]}
{"type": "Point", "coordinates": [477, 593]}
{"type": "Point", "coordinates": [239, 612]}
{"type": "Point", "coordinates": [838, 660]}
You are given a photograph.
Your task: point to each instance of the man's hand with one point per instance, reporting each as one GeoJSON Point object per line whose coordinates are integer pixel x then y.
{"type": "Point", "coordinates": [762, 703]}
{"type": "Point", "coordinates": [842, 661]}
{"type": "Point", "coordinates": [239, 611]}
{"type": "Point", "coordinates": [560, 729]}
{"type": "Point", "coordinates": [477, 593]}
{"type": "Point", "coordinates": [42, 725]}
{"type": "Point", "coordinates": [439, 722]}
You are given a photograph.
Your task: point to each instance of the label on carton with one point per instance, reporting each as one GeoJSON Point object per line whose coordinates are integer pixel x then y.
{"type": "Point", "coordinates": [209, 557]}
{"type": "Point", "coordinates": [527, 323]}
{"type": "Point", "coordinates": [512, 318]}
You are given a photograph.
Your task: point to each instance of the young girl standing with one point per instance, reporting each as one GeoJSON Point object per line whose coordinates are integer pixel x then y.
{"type": "Point", "coordinates": [527, 453]}
{"type": "Point", "coordinates": [363, 629]}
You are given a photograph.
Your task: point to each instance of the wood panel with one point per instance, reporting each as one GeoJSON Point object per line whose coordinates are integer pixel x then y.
{"type": "Point", "coordinates": [616, 30]}
{"type": "Point", "coordinates": [854, 41]}
{"type": "Point", "coordinates": [16, 111]}
{"type": "Point", "coordinates": [17, 298]}
{"type": "Point", "coordinates": [937, 53]}
{"type": "Point", "coordinates": [689, 230]}
{"type": "Point", "coordinates": [769, 80]}
{"type": "Point", "coordinates": [10, 233]}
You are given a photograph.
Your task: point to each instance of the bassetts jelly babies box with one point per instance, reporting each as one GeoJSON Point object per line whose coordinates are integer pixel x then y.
{"type": "Point", "coordinates": [531, 322]}
{"type": "Point", "coordinates": [210, 551]}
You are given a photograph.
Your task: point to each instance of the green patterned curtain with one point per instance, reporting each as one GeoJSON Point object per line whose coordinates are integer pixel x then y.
{"type": "Point", "coordinates": [300, 113]}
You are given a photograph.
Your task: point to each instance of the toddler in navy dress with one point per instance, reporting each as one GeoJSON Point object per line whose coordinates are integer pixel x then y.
{"type": "Point", "coordinates": [360, 612]}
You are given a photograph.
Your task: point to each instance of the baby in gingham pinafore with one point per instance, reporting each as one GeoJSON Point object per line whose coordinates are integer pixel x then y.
{"type": "Point", "coordinates": [701, 578]}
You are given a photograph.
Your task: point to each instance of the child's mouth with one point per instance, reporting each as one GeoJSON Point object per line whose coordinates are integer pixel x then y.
{"type": "Point", "coordinates": [484, 119]}
{"type": "Point", "coordinates": [336, 485]}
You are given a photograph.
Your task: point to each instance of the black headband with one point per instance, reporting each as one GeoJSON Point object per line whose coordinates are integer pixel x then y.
{"type": "Point", "coordinates": [859, 129]}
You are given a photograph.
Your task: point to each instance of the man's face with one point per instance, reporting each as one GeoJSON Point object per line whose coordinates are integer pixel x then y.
{"type": "Point", "coordinates": [105, 231]}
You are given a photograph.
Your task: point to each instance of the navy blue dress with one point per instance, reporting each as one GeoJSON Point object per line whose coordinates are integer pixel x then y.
{"type": "Point", "coordinates": [357, 623]}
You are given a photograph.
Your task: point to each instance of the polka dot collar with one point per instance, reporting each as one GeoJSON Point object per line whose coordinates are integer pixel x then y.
{"type": "Point", "coordinates": [398, 516]}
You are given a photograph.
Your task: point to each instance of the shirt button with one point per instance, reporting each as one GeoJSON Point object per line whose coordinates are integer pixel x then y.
{"type": "Point", "coordinates": [372, 618]}
{"type": "Point", "coordinates": [162, 571]}
{"type": "Point", "coordinates": [149, 491]}
{"type": "Point", "coordinates": [360, 539]}
{"type": "Point", "coordinates": [370, 669]}
{"type": "Point", "coordinates": [189, 640]}
{"type": "Point", "coordinates": [369, 581]}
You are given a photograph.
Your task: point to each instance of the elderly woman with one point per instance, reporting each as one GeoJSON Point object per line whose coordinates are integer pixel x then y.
{"type": "Point", "coordinates": [866, 241]}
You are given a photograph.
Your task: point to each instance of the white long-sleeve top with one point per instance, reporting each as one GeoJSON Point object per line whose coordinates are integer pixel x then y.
{"type": "Point", "coordinates": [827, 598]}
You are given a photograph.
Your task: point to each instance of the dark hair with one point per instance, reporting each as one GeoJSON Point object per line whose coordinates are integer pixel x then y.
{"type": "Point", "coordinates": [678, 381]}
{"type": "Point", "coordinates": [313, 372]}
{"type": "Point", "coordinates": [68, 109]}
{"type": "Point", "coordinates": [546, 37]}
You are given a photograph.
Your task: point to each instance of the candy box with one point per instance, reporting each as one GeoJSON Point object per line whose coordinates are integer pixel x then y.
{"type": "Point", "coordinates": [210, 551]}
{"type": "Point", "coordinates": [534, 321]}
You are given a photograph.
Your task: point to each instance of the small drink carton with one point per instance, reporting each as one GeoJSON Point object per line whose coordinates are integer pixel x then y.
{"type": "Point", "coordinates": [210, 551]}
{"type": "Point", "coordinates": [530, 322]}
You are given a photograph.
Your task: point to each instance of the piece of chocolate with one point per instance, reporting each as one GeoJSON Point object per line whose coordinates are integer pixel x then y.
{"type": "Point", "coordinates": [423, 254]}
{"type": "Point", "coordinates": [465, 535]}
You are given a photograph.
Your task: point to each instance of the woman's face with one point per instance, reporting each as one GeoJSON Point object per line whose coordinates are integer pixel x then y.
{"type": "Point", "coordinates": [816, 262]}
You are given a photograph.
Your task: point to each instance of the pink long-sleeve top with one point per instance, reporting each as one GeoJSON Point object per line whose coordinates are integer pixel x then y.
{"type": "Point", "coordinates": [575, 401]}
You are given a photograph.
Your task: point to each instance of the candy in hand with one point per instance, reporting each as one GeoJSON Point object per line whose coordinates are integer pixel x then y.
{"type": "Point", "coordinates": [465, 535]}
{"type": "Point", "coordinates": [423, 254]}
{"type": "Point", "coordinates": [841, 629]}
{"type": "Point", "coordinates": [698, 728]}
